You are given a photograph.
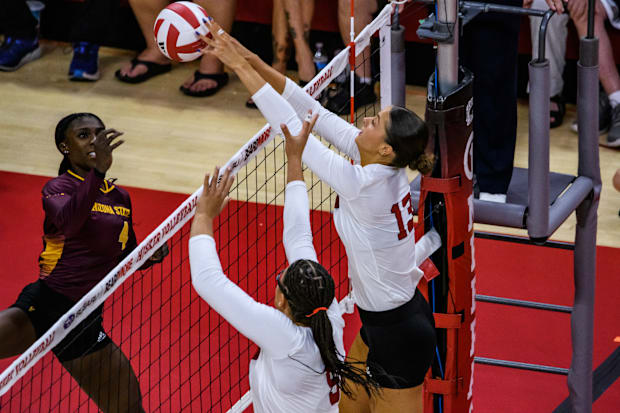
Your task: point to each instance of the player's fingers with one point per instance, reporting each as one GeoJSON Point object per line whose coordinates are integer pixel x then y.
{"type": "Point", "coordinates": [116, 144]}
{"type": "Point", "coordinates": [313, 120]}
{"type": "Point", "coordinates": [213, 183]}
{"type": "Point", "coordinates": [285, 131]}
{"type": "Point", "coordinates": [113, 136]}
{"type": "Point", "coordinates": [222, 184]}
{"type": "Point", "coordinates": [205, 184]}
{"type": "Point", "coordinates": [229, 183]}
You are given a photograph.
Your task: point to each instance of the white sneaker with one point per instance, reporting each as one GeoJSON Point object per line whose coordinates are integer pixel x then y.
{"type": "Point", "coordinates": [499, 198]}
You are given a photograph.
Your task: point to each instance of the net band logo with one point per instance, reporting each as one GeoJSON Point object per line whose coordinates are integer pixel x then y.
{"type": "Point", "coordinates": [26, 361]}
{"type": "Point", "coordinates": [316, 85]}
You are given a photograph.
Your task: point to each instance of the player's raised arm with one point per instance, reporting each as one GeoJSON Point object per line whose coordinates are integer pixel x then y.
{"type": "Point", "coordinates": [297, 235]}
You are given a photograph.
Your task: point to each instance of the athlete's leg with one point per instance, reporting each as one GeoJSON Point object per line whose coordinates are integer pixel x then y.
{"type": "Point", "coordinates": [359, 402]}
{"type": "Point", "coordinates": [16, 332]}
{"type": "Point", "coordinates": [398, 401]}
{"type": "Point", "coordinates": [108, 378]}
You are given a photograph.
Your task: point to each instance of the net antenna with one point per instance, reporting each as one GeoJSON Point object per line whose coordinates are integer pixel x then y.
{"type": "Point", "coordinates": [184, 355]}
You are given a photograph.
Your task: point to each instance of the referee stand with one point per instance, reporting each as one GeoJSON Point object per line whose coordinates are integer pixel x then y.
{"type": "Point", "coordinates": [446, 202]}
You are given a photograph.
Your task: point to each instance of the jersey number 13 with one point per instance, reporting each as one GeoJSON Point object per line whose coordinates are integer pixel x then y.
{"type": "Point", "coordinates": [408, 212]}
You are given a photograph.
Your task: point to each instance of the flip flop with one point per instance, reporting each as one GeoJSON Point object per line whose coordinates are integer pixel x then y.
{"type": "Point", "coordinates": [221, 79]}
{"type": "Point", "coordinates": [152, 69]}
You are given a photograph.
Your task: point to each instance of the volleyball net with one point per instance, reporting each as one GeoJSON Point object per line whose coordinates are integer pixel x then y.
{"type": "Point", "coordinates": [184, 355]}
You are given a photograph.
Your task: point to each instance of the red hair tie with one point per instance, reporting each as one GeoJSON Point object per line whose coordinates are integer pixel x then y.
{"type": "Point", "coordinates": [316, 310]}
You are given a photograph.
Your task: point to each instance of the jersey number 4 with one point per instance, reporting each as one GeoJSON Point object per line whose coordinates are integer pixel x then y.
{"type": "Point", "coordinates": [406, 203]}
{"type": "Point", "coordinates": [334, 394]}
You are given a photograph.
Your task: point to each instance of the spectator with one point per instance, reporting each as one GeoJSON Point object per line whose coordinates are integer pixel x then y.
{"type": "Point", "coordinates": [495, 94]}
{"type": "Point", "coordinates": [207, 80]}
{"type": "Point", "coordinates": [21, 44]}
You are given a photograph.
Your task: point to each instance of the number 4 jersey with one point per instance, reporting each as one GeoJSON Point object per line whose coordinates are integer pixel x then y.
{"type": "Point", "coordinates": [87, 231]}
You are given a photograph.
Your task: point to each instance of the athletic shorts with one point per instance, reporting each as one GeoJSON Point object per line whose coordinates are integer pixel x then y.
{"type": "Point", "coordinates": [401, 343]}
{"type": "Point", "coordinates": [45, 306]}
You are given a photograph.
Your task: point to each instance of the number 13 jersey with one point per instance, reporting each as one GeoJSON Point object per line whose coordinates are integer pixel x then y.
{"type": "Point", "coordinates": [374, 218]}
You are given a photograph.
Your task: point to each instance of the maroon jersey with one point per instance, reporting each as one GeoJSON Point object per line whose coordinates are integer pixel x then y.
{"type": "Point", "coordinates": [87, 231]}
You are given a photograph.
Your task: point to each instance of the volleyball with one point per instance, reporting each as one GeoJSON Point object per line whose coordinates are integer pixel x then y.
{"type": "Point", "coordinates": [175, 31]}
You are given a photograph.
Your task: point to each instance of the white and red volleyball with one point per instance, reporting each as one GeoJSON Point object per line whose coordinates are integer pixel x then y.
{"type": "Point", "coordinates": [175, 30]}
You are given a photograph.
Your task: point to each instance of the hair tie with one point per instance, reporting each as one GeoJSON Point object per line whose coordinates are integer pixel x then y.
{"type": "Point", "coordinates": [316, 310]}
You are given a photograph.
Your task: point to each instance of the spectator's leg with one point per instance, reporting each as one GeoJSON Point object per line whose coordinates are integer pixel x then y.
{"type": "Point", "coordinates": [363, 15]}
{"type": "Point", "coordinates": [489, 49]}
{"type": "Point", "coordinates": [608, 73]}
{"type": "Point", "coordinates": [146, 11]}
{"type": "Point", "coordinates": [17, 20]}
{"type": "Point", "coordinates": [280, 37]}
{"type": "Point", "coordinates": [555, 48]}
{"type": "Point", "coordinates": [223, 12]}
{"type": "Point", "coordinates": [299, 16]}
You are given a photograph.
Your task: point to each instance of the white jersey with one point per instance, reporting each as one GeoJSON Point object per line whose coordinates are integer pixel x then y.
{"type": "Point", "coordinates": [375, 216]}
{"type": "Point", "coordinates": [288, 375]}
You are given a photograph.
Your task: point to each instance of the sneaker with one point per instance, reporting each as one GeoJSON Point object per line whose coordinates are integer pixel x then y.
{"type": "Point", "coordinates": [85, 62]}
{"type": "Point", "coordinates": [612, 140]}
{"type": "Point", "coordinates": [14, 53]}
{"type": "Point", "coordinates": [338, 100]}
{"type": "Point", "coordinates": [604, 113]}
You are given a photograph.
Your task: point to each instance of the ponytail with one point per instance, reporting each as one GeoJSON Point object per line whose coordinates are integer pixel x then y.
{"type": "Point", "coordinates": [407, 134]}
{"type": "Point", "coordinates": [309, 289]}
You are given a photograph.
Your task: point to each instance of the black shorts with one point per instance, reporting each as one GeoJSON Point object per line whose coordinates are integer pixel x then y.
{"type": "Point", "coordinates": [45, 306]}
{"type": "Point", "coordinates": [401, 343]}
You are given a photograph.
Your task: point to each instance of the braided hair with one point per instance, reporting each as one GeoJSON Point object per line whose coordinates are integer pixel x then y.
{"type": "Point", "coordinates": [60, 136]}
{"type": "Point", "coordinates": [309, 287]}
{"type": "Point", "coordinates": [407, 134]}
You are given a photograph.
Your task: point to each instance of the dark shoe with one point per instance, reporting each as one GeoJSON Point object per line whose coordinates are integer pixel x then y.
{"type": "Point", "coordinates": [14, 53]}
{"type": "Point", "coordinates": [152, 69]}
{"type": "Point", "coordinates": [221, 79]}
{"type": "Point", "coordinates": [85, 63]}
{"type": "Point", "coordinates": [604, 113]}
{"type": "Point", "coordinates": [557, 115]}
{"type": "Point", "coordinates": [612, 140]}
{"type": "Point", "coordinates": [338, 100]}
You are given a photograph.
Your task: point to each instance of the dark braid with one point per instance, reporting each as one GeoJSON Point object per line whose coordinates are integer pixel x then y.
{"type": "Point", "coordinates": [60, 135]}
{"type": "Point", "coordinates": [308, 286]}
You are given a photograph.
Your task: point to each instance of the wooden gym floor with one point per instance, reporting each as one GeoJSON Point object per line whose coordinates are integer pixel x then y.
{"type": "Point", "coordinates": [172, 139]}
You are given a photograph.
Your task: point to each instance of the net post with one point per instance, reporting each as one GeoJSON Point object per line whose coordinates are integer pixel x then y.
{"type": "Point", "coordinates": [448, 53]}
{"type": "Point", "coordinates": [394, 63]}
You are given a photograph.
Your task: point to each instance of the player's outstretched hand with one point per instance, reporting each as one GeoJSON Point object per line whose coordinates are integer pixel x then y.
{"type": "Point", "coordinates": [104, 145]}
{"type": "Point", "coordinates": [214, 194]}
{"type": "Point", "coordinates": [222, 45]}
{"type": "Point", "coordinates": [295, 145]}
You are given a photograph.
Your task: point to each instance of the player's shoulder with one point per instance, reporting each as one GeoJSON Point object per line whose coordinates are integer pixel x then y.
{"type": "Point", "coordinates": [61, 184]}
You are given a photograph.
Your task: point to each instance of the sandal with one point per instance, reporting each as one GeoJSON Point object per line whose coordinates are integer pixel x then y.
{"type": "Point", "coordinates": [152, 69]}
{"type": "Point", "coordinates": [250, 102]}
{"type": "Point", "coordinates": [557, 115]}
{"type": "Point", "coordinates": [220, 78]}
